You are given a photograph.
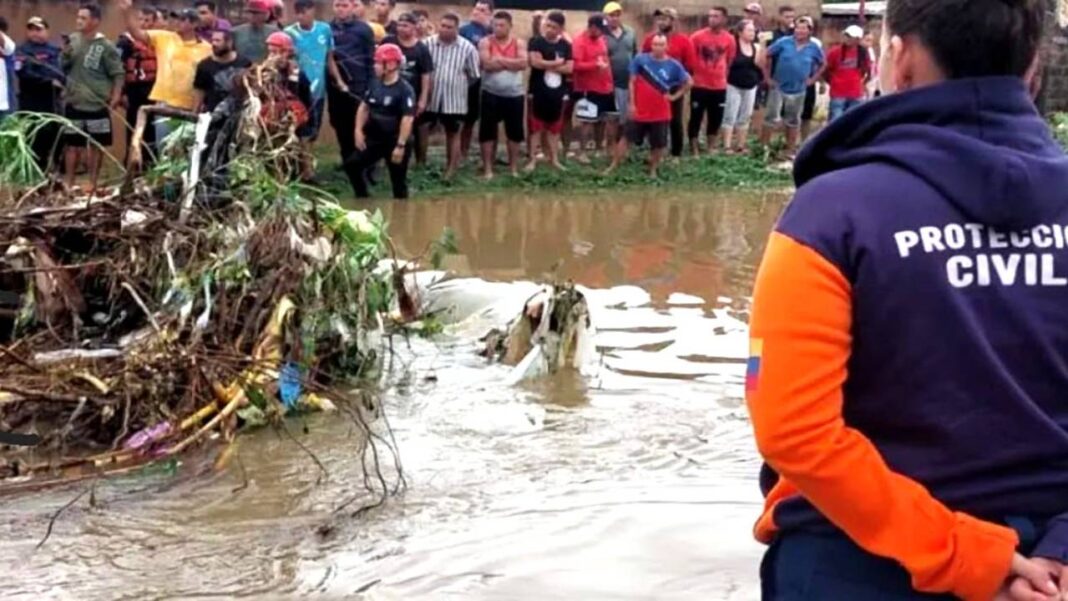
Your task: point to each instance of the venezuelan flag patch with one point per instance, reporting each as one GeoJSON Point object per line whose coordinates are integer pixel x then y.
{"type": "Point", "coordinates": [752, 367]}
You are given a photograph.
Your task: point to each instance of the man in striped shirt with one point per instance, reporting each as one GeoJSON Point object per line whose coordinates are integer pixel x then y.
{"type": "Point", "coordinates": [455, 67]}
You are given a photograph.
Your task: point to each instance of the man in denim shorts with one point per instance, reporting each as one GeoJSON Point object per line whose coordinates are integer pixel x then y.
{"type": "Point", "coordinates": [798, 64]}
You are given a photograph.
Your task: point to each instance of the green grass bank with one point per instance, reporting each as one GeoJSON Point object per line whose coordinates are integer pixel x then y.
{"type": "Point", "coordinates": [688, 173]}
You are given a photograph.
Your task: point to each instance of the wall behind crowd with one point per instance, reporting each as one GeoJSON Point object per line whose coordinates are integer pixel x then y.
{"type": "Point", "coordinates": [638, 13]}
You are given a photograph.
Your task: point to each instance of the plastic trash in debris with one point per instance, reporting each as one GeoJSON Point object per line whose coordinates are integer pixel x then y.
{"type": "Point", "coordinates": [131, 218]}
{"type": "Point", "coordinates": [148, 436]}
{"type": "Point", "coordinates": [289, 385]}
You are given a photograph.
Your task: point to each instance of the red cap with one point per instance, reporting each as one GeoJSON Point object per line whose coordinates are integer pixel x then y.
{"type": "Point", "coordinates": [258, 6]}
{"type": "Point", "coordinates": [389, 52]}
{"type": "Point", "coordinates": [280, 40]}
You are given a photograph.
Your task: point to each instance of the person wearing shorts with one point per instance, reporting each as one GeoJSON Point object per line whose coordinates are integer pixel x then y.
{"type": "Point", "coordinates": [550, 63]}
{"type": "Point", "coordinates": [714, 50]}
{"type": "Point", "coordinates": [92, 124]}
{"type": "Point", "coordinates": [680, 48]}
{"type": "Point", "coordinates": [456, 65]}
{"type": "Point", "coordinates": [798, 64]}
{"type": "Point", "coordinates": [504, 63]}
{"type": "Point", "coordinates": [595, 99]}
{"type": "Point", "coordinates": [638, 133]}
{"type": "Point", "coordinates": [95, 77]}
{"type": "Point", "coordinates": [480, 26]}
{"type": "Point", "coordinates": [622, 47]}
{"type": "Point", "coordinates": [656, 81]}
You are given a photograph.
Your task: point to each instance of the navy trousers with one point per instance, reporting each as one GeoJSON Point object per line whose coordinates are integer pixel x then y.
{"type": "Point", "coordinates": [814, 567]}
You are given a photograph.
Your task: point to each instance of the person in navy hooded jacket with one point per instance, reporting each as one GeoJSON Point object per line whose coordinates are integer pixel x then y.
{"type": "Point", "coordinates": [908, 372]}
{"type": "Point", "coordinates": [40, 77]}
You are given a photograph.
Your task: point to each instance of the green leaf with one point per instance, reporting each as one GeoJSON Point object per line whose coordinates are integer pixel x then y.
{"type": "Point", "coordinates": [252, 415]}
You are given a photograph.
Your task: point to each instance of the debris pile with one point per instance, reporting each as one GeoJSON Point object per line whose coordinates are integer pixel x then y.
{"type": "Point", "coordinates": [140, 324]}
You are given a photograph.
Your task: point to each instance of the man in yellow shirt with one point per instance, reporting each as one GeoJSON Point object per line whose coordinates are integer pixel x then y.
{"type": "Point", "coordinates": [177, 55]}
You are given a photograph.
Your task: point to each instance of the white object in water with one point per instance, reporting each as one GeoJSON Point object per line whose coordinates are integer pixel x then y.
{"type": "Point", "coordinates": [192, 177]}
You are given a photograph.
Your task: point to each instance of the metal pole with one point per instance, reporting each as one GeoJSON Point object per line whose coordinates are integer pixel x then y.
{"type": "Point", "coordinates": [860, 12]}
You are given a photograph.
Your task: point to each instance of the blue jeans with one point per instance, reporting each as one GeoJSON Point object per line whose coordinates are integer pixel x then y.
{"type": "Point", "coordinates": [829, 567]}
{"type": "Point", "coordinates": [841, 105]}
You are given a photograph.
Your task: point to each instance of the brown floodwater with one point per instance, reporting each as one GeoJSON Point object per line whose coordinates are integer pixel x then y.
{"type": "Point", "coordinates": [637, 482]}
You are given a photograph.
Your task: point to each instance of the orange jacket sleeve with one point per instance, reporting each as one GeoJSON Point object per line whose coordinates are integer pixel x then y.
{"type": "Point", "coordinates": [801, 340]}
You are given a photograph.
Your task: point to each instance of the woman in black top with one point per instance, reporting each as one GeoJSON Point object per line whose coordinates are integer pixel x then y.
{"type": "Point", "coordinates": [384, 125]}
{"type": "Point", "coordinates": [742, 81]}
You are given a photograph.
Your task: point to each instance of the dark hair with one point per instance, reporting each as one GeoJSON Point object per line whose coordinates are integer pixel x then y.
{"type": "Point", "coordinates": [503, 14]}
{"type": "Point", "coordinates": [421, 13]}
{"type": "Point", "coordinates": [973, 38]}
{"type": "Point", "coordinates": [225, 33]}
{"type": "Point", "coordinates": [208, 3]}
{"type": "Point", "coordinates": [721, 10]}
{"type": "Point", "coordinates": [408, 18]}
{"type": "Point", "coordinates": [556, 17]}
{"type": "Point", "coordinates": [93, 10]}
{"type": "Point", "coordinates": [303, 5]}
{"type": "Point", "coordinates": [150, 10]}
{"type": "Point", "coordinates": [3, 24]}
{"type": "Point", "coordinates": [451, 17]}
{"type": "Point", "coordinates": [488, 3]}
{"type": "Point", "coordinates": [786, 8]}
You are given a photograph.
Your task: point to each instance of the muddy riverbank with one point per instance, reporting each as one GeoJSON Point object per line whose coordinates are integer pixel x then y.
{"type": "Point", "coordinates": [638, 483]}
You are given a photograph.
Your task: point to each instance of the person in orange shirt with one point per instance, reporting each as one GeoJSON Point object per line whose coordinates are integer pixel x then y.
{"type": "Point", "coordinates": [909, 336]}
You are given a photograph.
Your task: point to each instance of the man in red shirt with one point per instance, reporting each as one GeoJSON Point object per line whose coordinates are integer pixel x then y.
{"type": "Point", "coordinates": [680, 48]}
{"type": "Point", "coordinates": [848, 70]}
{"type": "Point", "coordinates": [714, 49]}
{"type": "Point", "coordinates": [656, 82]}
{"type": "Point", "coordinates": [594, 89]}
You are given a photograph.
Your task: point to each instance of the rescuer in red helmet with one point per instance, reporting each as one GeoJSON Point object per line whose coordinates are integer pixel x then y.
{"type": "Point", "coordinates": [297, 102]}
{"type": "Point", "coordinates": [384, 125]}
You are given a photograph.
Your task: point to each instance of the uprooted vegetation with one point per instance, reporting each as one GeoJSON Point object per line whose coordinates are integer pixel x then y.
{"type": "Point", "coordinates": [198, 299]}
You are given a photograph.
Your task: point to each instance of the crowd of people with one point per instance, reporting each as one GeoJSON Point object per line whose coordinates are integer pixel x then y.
{"type": "Point", "coordinates": [386, 82]}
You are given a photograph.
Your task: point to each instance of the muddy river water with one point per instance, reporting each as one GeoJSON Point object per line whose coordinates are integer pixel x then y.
{"type": "Point", "coordinates": [638, 482]}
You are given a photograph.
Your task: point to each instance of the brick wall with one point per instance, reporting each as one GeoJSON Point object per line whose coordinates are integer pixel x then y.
{"type": "Point", "coordinates": [701, 7]}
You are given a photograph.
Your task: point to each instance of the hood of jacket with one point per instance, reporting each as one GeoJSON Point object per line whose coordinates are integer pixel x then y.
{"type": "Point", "coordinates": [979, 142]}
